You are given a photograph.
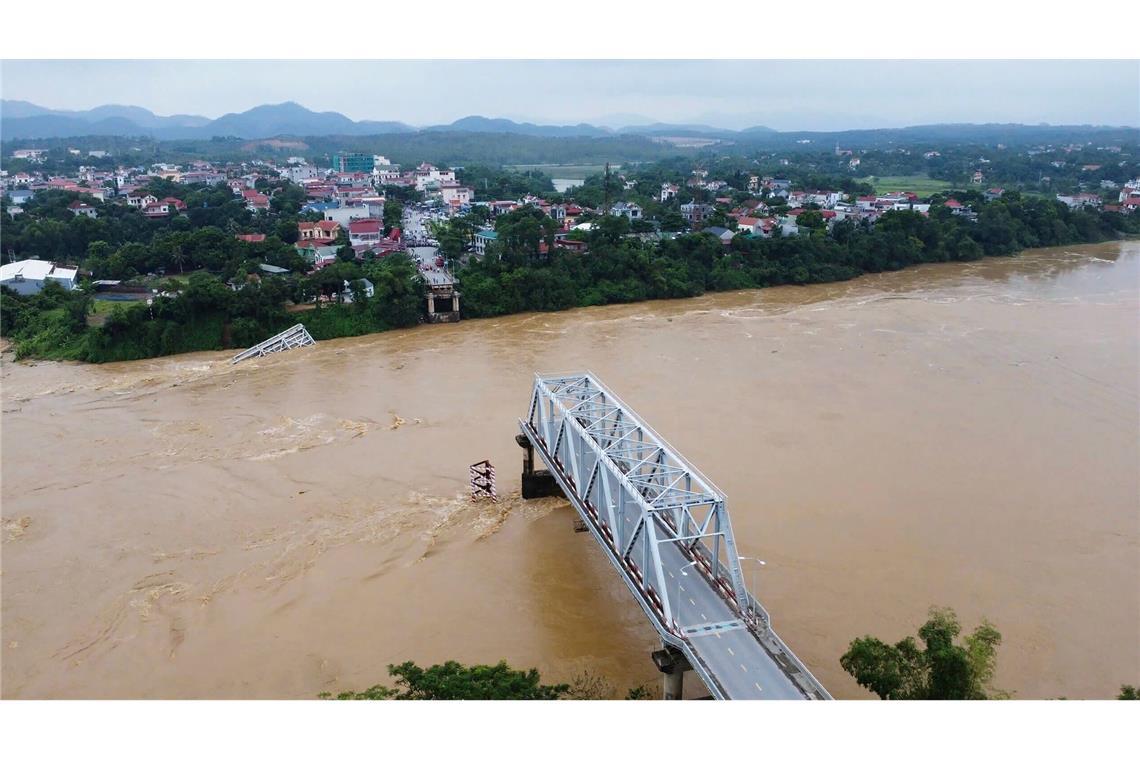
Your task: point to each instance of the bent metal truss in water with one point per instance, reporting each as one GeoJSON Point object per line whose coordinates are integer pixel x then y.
{"type": "Point", "coordinates": [662, 524]}
{"type": "Point", "coordinates": [295, 337]}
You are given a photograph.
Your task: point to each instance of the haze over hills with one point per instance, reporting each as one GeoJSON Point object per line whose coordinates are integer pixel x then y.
{"type": "Point", "coordinates": [21, 120]}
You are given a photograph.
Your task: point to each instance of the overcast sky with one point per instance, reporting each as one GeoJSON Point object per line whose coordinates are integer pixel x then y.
{"type": "Point", "coordinates": [784, 95]}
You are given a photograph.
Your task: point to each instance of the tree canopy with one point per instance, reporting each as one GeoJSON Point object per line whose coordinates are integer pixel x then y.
{"type": "Point", "coordinates": [941, 669]}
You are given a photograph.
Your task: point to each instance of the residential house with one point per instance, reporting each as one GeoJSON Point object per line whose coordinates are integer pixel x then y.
{"type": "Point", "coordinates": [1080, 200]}
{"type": "Point", "coordinates": [668, 192]}
{"type": "Point", "coordinates": [251, 238]}
{"type": "Point", "coordinates": [483, 238]}
{"type": "Point", "coordinates": [747, 223]}
{"type": "Point", "coordinates": [21, 196]}
{"type": "Point", "coordinates": [368, 288]}
{"type": "Point", "coordinates": [993, 193]}
{"type": "Point", "coordinates": [35, 155]}
{"type": "Point", "coordinates": [317, 254]}
{"type": "Point", "coordinates": [696, 213]}
{"type": "Point", "coordinates": [298, 174]}
{"type": "Point", "coordinates": [365, 231]}
{"type": "Point", "coordinates": [499, 208]}
{"type": "Point", "coordinates": [156, 210]}
{"type": "Point", "coordinates": [202, 177]}
{"type": "Point", "coordinates": [630, 211]}
{"type": "Point", "coordinates": [453, 192]}
{"type": "Point", "coordinates": [723, 234]}
{"type": "Point", "coordinates": [344, 214]}
{"type": "Point", "coordinates": [255, 201]}
{"type": "Point", "coordinates": [78, 208]}
{"type": "Point", "coordinates": [141, 200]}
{"type": "Point", "coordinates": [323, 231]}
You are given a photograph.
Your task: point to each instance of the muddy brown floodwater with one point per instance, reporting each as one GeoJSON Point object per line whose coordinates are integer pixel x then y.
{"type": "Point", "coordinates": [960, 434]}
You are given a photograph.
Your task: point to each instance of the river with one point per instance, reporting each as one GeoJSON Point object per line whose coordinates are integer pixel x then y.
{"type": "Point", "coordinates": [955, 434]}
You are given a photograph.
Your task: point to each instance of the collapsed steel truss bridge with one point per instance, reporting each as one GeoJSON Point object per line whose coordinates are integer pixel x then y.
{"type": "Point", "coordinates": [666, 529]}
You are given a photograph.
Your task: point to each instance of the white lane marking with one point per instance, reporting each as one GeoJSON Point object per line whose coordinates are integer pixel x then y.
{"type": "Point", "coordinates": [671, 574]}
{"type": "Point", "coordinates": [731, 652]}
{"type": "Point", "coordinates": [692, 602]}
{"type": "Point", "coordinates": [717, 634]}
{"type": "Point", "coordinates": [757, 685]}
{"type": "Point", "coordinates": [703, 616]}
{"type": "Point", "coordinates": [743, 668]}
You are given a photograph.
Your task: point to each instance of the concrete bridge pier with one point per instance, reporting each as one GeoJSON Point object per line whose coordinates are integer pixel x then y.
{"type": "Point", "coordinates": [673, 664]}
{"type": "Point", "coordinates": [536, 484]}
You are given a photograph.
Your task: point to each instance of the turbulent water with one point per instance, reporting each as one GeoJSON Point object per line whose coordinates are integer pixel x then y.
{"type": "Point", "coordinates": [962, 435]}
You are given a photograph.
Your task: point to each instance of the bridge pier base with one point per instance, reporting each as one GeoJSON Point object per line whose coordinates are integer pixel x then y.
{"type": "Point", "coordinates": [536, 484]}
{"type": "Point", "coordinates": [673, 664]}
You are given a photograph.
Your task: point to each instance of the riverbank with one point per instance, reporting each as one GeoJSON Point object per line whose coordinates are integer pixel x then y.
{"type": "Point", "coordinates": [209, 316]}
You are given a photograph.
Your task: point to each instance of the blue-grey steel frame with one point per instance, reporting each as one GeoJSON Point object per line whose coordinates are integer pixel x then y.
{"type": "Point", "coordinates": [636, 494]}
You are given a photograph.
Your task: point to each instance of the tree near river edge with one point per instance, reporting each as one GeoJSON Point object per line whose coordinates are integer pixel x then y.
{"type": "Point", "coordinates": [943, 670]}
{"type": "Point", "coordinates": [451, 680]}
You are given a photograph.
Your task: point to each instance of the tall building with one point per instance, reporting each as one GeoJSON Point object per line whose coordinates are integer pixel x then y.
{"type": "Point", "coordinates": [351, 163]}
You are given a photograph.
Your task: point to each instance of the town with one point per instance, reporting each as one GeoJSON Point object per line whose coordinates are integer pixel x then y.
{"type": "Point", "coordinates": [310, 234]}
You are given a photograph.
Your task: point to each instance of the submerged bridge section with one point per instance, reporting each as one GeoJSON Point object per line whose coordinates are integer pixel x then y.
{"type": "Point", "coordinates": [666, 530]}
{"type": "Point", "coordinates": [295, 337]}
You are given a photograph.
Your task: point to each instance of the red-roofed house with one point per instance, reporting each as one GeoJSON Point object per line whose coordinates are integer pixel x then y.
{"type": "Point", "coordinates": [256, 202]}
{"type": "Point", "coordinates": [365, 231]}
{"type": "Point", "coordinates": [156, 210]}
{"type": "Point", "coordinates": [747, 223]}
{"type": "Point", "coordinates": [252, 238]}
{"type": "Point", "coordinates": [82, 209]}
{"type": "Point", "coordinates": [324, 230]}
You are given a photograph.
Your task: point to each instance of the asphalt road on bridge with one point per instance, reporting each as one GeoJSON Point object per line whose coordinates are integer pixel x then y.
{"type": "Point", "coordinates": [742, 666]}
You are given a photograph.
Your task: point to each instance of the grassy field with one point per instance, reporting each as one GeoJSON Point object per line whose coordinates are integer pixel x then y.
{"type": "Point", "coordinates": [565, 171]}
{"type": "Point", "coordinates": [918, 183]}
{"type": "Point", "coordinates": [102, 307]}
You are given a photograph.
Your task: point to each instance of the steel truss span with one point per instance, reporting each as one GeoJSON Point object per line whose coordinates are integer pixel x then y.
{"type": "Point", "coordinates": [666, 529]}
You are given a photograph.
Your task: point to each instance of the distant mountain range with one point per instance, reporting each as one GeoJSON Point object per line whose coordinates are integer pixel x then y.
{"type": "Point", "coordinates": [20, 119]}
{"type": "Point", "coordinates": [26, 121]}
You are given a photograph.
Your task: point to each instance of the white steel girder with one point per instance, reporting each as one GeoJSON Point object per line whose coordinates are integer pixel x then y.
{"type": "Point", "coordinates": [638, 490]}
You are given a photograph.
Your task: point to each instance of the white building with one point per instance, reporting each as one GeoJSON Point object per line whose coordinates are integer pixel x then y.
{"type": "Point", "coordinates": [452, 191]}
{"type": "Point", "coordinates": [29, 276]}
{"type": "Point", "coordinates": [346, 214]}
{"type": "Point", "coordinates": [630, 211]}
{"type": "Point", "coordinates": [30, 154]}
{"type": "Point", "coordinates": [298, 174]}
{"type": "Point", "coordinates": [427, 175]}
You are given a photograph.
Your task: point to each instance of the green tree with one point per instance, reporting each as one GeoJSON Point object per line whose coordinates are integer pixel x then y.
{"type": "Point", "coordinates": [1129, 692]}
{"type": "Point", "coordinates": [452, 680]}
{"type": "Point", "coordinates": [942, 670]}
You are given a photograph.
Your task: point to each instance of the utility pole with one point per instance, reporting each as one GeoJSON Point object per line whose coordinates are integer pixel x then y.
{"type": "Point", "coordinates": [606, 206]}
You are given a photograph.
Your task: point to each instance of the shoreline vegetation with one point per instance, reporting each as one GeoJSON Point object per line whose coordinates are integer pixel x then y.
{"type": "Point", "coordinates": [201, 312]}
